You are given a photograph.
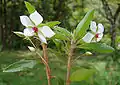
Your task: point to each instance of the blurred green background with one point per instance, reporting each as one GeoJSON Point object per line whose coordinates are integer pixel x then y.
{"type": "Point", "coordinates": [69, 13]}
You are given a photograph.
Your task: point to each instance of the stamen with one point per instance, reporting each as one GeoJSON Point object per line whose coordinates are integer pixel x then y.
{"type": "Point", "coordinates": [97, 35]}
{"type": "Point", "coordinates": [35, 29]}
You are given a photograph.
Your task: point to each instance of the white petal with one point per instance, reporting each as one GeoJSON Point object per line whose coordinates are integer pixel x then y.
{"type": "Point", "coordinates": [88, 37]}
{"type": "Point", "coordinates": [47, 32]}
{"type": "Point", "coordinates": [93, 26]}
{"type": "Point", "coordinates": [36, 18]}
{"type": "Point", "coordinates": [100, 28]}
{"type": "Point", "coordinates": [99, 37]}
{"type": "Point", "coordinates": [42, 38]}
{"type": "Point", "coordinates": [25, 21]}
{"type": "Point", "coordinates": [28, 32]}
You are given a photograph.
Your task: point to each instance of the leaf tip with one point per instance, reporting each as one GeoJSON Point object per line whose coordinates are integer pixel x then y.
{"type": "Point", "coordinates": [26, 2]}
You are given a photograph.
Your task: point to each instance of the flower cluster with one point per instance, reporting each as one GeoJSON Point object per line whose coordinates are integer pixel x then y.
{"type": "Point", "coordinates": [96, 33]}
{"type": "Point", "coordinates": [31, 23]}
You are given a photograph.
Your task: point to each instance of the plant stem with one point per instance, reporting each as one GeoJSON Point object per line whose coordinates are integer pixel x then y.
{"type": "Point", "coordinates": [44, 60]}
{"type": "Point", "coordinates": [70, 54]}
{"type": "Point", "coordinates": [31, 42]}
{"type": "Point", "coordinates": [48, 73]}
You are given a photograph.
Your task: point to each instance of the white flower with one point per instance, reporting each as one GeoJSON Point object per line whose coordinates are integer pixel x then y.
{"type": "Point", "coordinates": [31, 29]}
{"type": "Point", "coordinates": [96, 34]}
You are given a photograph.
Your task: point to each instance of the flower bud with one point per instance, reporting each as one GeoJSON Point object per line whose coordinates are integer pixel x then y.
{"type": "Point", "coordinates": [88, 53]}
{"type": "Point", "coordinates": [32, 49]}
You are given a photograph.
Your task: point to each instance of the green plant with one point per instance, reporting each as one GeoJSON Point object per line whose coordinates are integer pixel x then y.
{"type": "Point", "coordinates": [65, 41]}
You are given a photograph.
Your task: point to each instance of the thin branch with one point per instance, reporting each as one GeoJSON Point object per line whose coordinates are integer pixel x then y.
{"type": "Point", "coordinates": [43, 60]}
{"type": "Point", "coordinates": [31, 42]}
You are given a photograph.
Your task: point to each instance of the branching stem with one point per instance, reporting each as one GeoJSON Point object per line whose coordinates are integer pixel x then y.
{"type": "Point", "coordinates": [44, 60]}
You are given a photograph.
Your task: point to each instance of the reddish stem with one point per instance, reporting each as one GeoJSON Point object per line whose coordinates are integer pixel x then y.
{"type": "Point", "coordinates": [48, 72]}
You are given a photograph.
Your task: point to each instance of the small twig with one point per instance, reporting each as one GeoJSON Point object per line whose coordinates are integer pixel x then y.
{"type": "Point", "coordinates": [31, 42]}
{"type": "Point", "coordinates": [43, 60]}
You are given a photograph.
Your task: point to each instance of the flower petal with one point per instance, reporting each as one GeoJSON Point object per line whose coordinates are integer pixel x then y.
{"type": "Point", "coordinates": [28, 32]}
{"type": "Point", "coordinates": [100, 28]}
{"type": "Point", "coordinates": [93, 26]}
{"type": "Point", "coordinates": [47, 32]}
{"type": "Point", "coordinates": [42, 38]}
{"type": "Point", "coordinates": [25, 21]}
{"type": "Point", "coordinates": [36, 18]}
{"type": "Point", "coordinates": [88, 37]}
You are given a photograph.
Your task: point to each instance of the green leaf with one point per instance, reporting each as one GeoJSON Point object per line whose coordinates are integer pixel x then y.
{"type": "Point", "coordinates": [20, 34]}
{"type": "Point", "coordinates": [57, 42]}
{"type": "Point", "coordinates": [20, 66]}
{"type": "Point", "coordinates": [60, 36]}
{"type": "Point", "coordinates": [41, 25]}
{"type": "Point", "coordinates": [83, 25]}
{"type": "Point", "coordinates": [98, 47]}
{"type": "Point", "coordinates": [30, 8]}
{"type": "Point", "coordinates": [82, 74]}
{"type": "Point", "coordinates": [52, 23]}
{"type": "Point", "coordinates": [63, 31]}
